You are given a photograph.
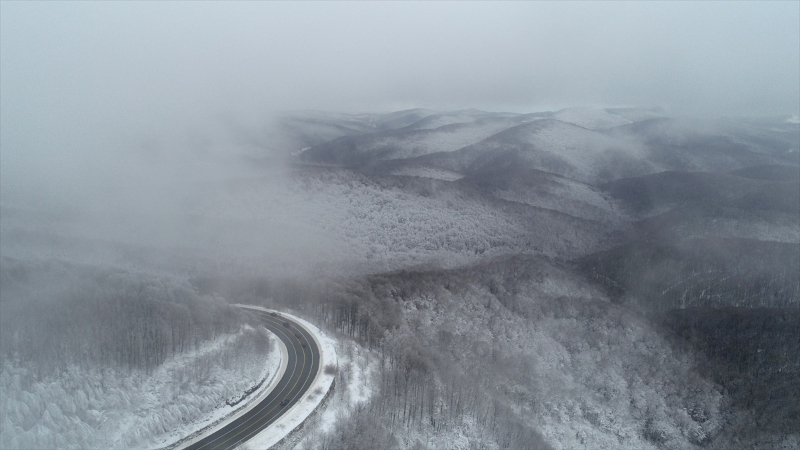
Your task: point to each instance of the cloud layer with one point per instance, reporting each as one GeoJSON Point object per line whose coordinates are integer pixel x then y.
{"type": "Point", "coordinates": [158, 61]}
{"type": "Point", "coordinates": [128, 105]}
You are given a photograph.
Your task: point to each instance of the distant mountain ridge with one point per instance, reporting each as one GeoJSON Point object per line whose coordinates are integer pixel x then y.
{"type": "Point", "coordinates": [587, 145]}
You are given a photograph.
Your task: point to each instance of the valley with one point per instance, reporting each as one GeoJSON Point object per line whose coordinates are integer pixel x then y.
{"type": "Point", "coordinates": [583, 278]}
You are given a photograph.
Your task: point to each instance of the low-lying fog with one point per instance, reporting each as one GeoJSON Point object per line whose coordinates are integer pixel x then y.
{"type": "Point", "coordinates": [563, 225]}
{"type": "Point", "coordinates": [136, 122]}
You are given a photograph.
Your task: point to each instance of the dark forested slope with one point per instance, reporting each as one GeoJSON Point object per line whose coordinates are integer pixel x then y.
{"type": "Point", "coordinates": [680, 332]}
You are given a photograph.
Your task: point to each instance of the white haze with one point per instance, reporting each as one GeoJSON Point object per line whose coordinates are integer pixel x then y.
{"type": "Point", "coordinates": [122, 113]}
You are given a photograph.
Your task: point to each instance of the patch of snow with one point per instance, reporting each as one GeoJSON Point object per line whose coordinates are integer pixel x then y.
{"type": "Point", "coordinates": [355, 385]}
{"type": "Point", "coordinates": [427, 172]}
{"type": "Point", "coordinates": [297, 152]}
{"type": "Point", "coordinates": [564, 195]}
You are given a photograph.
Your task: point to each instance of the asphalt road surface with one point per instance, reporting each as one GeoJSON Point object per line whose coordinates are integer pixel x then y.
{"type": "Point", "coordinates": [302, 367]}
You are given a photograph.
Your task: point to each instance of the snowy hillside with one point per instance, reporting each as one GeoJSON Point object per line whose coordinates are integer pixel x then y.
{"type": "Point", "coordinates": [421, 171]}
{"type": "Point", "coordinates": [593, 119]}
{"type": "Point", "coordinates": [398, 119]}
{"type": "Point", "coordinates": [530, 348]}
{"type": "Point", "coordinates": [407, 143]}
{"type": "Point", "coordinates": [521, 341]}
{"type": "Point", "coordinates": [577, 279]}
{"type": "Point", "coordinates": [105, 408]}
{"type": "Point", "coordinates": [552, 146]}
{"type": "Point", "coordinates": [101, 356]}
{"type": "Point", "coordinates": [302, 129]}
{"type": "Point", "coordinates": [544, 190]}
{"type": "Point", "coordinates": [409, 220]}
{"type": "Point", "coordinates": [439, 120]}
{"type": "Point", "coordinates": [712, 145]}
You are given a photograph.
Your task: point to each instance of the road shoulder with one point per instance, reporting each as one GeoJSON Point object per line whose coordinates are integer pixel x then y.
{"type": "Point", "coordinates": [310, 401]}
{"type": "Point", "coordinates": [239, 410]}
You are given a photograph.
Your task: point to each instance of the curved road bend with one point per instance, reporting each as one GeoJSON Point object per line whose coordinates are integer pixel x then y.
{"type": "Point", "coordinates": [301, 370]}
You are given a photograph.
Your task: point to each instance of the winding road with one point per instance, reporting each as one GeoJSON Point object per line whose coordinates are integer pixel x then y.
{"type": "Point", "coordinates": [302, 368]}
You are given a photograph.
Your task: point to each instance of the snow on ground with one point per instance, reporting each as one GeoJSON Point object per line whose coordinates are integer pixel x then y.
{"type": "Point", "coordinates": [390, 227]}
{"type": "Point", "coordinates": [300, 410]}
{"type": "Point", "coordinates": [354, 385]}
{"type": "Point", "coordinates": [561, 194]}
{"type": "Point", "coordinates": [579, 376]}
{"type": "Point", "coordinates": [224, 413]}
{"type": "Point", "coordinates": [427, 172]}
{"type": "Point", "coordinates": [585, 152]}
{"type": "Point", "coordinates": [108, 408]}
{"type": "Point", "coordinates": [571, 151]}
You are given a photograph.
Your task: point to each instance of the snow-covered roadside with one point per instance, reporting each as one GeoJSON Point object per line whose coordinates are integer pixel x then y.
{"type": "Point", "coordinates": [311, 400]}
{"type": "Point", "coordinates": [355, 384]}
{"type": "Point", "coordinates": [109, 408]}
{"type": "Point", "coordinates": [184, 436]}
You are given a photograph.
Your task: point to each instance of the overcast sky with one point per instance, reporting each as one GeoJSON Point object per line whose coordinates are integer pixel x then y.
{"type": "Point", "coordinates": [128, 59]}
{"type": "Point", "coordinates": [79, 76]}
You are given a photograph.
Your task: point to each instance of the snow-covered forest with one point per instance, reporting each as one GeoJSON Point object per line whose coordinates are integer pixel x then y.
{"type": "Point", "coordinates": [576, 279]}
{"type": "Point", "coordinates": [521, 225]}
{"type": "Point", "coordinates": [551, 286]}
{"type": "Point", "coordinates": [99, 357]}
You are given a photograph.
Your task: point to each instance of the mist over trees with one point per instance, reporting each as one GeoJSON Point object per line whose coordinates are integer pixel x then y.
{"type": "Point", "coordinates": [626, 300]}
{"type": "Point", "coordinates": [98, 356]}
{"type": "Point", "coordinates": [57, 314]}
{"type": "Point", "coordinates": [656, 336]}
{"type": "Point", "coordinates": [531, 225]}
